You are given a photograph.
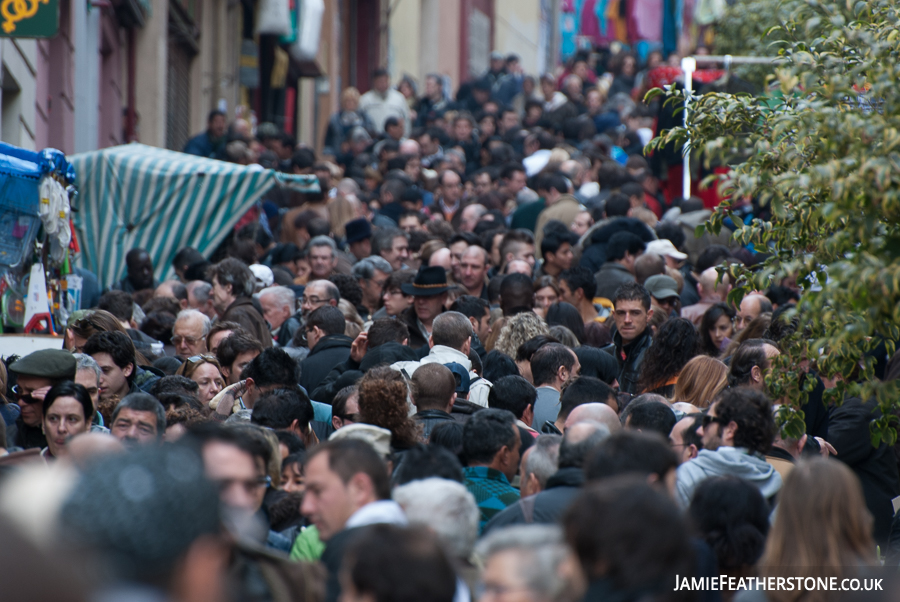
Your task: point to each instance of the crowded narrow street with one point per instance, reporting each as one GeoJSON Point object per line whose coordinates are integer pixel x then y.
{"type": "Point", "coordinates": [449, 301]}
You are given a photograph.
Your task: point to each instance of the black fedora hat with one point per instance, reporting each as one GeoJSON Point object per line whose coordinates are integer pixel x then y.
{"type": "Point", "coordinates": [357, 230]}
{"type": "Point", "coordinates": [429, 281]}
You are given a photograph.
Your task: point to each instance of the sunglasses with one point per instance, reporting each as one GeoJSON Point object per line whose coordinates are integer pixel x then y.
{"type": "Point", "coordinates": [23, 396]}
{"type": "Point", "coordinates": [201, 358]}
{"type": "Point", "coordinates": [708, 419]}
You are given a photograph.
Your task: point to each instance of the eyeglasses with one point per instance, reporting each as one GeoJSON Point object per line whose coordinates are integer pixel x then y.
{"type": "Point", "coordinates": [178, 340]}
{"type": "Point", "coordinates": [351, 417]}
{"type": "Point", "coordinates": [249, 485]}
{"type": "Point", "coordinates": [311, 300]}
{"type": "Point", "coordinates": [194, 359]}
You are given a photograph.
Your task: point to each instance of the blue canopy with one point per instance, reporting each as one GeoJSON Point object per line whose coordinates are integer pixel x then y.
{"type": "Point", "coordinates": [20, 177]}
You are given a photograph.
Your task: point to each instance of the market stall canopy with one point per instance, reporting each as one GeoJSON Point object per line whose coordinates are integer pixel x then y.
{"type": "Point", "coordinates": [162, 201]}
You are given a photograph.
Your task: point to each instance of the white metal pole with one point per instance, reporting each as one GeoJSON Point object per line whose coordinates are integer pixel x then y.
{"type": "Point", "coordinates": [688, 65]}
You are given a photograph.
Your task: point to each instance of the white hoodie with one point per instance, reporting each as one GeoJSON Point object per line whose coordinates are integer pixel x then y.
{"type": "Point", "coordinates": [726, 461]}
{"type": "Point", "coordinates": [441, 354]}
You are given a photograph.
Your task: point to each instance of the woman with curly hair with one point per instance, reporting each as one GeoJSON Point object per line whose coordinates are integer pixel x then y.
{"type": "Point", "coordinates": [675, 343]}
{"type": "Point", "coordinates": [518, 329]}
{"type": "Point", "coordinates": [716, 328]}
{"type": "Point", "coordinates": [382, 402]}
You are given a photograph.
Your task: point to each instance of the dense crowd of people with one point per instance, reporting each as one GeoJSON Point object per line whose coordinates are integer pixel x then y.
{"type": "Point", "coordinates": [489, 360]}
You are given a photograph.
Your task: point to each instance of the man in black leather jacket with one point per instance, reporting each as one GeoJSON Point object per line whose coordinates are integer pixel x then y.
{"type": "Point", "coordinates": [633, 336]}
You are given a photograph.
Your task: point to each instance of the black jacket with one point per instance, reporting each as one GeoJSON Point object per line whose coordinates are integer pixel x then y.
{"type": "Point", "coordinates": [24, 436]}
{"type": "Point", "coordinates": [463, 410]}
{"type": "Point", "coordinates": [350, 369]}
{"type": "Point", "coordinates": [630, 357]}
{"type": "Point", "coordinates": [333, 557]}
{"type": "Point", "coordinates": [331, 350]}
{"type": "Point", "coordinates": [429, 419]}
{"type": "Point", "coordinates": [815, 411]}
{"type": "Point", "coordinates": [548, 506]}
{"type": "Point", "coordinates": [594, 255]}
{"type": "Point", "coordinates": [611, 276]}
{"type": "Point", "coordinates": [408, 317]}
{"type": "Point", "coordinates": [876, 467]}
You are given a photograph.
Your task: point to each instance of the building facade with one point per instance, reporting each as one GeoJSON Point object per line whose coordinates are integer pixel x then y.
{"type": "Point", "coordinates": [124, 70]}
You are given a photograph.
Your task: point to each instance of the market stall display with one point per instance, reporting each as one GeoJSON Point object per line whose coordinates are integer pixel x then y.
{"type": "Point", "coordinates": [36, 240]}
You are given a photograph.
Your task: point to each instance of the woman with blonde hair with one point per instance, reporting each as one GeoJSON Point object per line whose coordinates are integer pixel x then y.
{"type": "Point", "coordinates": [340, 211]}
{"type": "Point", "coordinates": [354, 323]}
{"type": "Point", "coordinates": [206, 372]}
{"type": "Point", "coordinates": [344, 121]}
{"type": "Point", "coordinates": [822, 529]}
{"type": "Point", "coordinates": [701, 379]}
{"type": "Point", "coordinates": [518, 329]}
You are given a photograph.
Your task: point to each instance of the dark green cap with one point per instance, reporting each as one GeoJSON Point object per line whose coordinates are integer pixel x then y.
{"type": "Point", "coordinates": [46, 363]}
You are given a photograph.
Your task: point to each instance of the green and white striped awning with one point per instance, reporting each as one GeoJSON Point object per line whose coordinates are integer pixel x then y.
{"type": "Point", "coordinates": [162, 201]}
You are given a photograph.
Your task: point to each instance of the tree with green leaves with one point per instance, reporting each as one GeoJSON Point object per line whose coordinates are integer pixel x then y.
{"type": "Point", "coordinates": [822, 152]}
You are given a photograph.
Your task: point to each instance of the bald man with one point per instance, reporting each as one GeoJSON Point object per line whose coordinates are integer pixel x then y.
{"type": "Point", "coordinates": [519, 266]}
{"type": "Point", "coordinates": [473, 268]}
{"type": "Point", "coordinates": [686, 439]}
{"type": "Point", "coordinates": [441, 258]}
{"type": "Point", "coordinates": [595, 412]}
{"type": "Point", "coordinates": [85, 448]}
{"type": "Point", "coordinates": [174, 290]}
{"type": "Point", "coordinates": [752, 306]}
{"type": "Point", "coordinates": [711, 291]}
{"type": "Point", "coordinates": [470, 217]}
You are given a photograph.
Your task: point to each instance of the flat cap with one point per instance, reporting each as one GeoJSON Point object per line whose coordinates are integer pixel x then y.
{"type": "Point", "coordinates": [46, 363]}
{"type": "Point", "coordinates": [661, 286]}
{"type": "Point", "coordinates": [379, 438]}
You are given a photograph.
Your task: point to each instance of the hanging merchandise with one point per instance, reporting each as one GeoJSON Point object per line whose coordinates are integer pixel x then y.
{"type": "Point", "coordinates": [12, 302]}
{"type": "Point", "coordinates": [309, 18]}
{"type": "Point", "coordinates": [54, 212]}
{"type": "Point", "coordinates": [35, 239]}
{"type": "Point", "coordinates": [74, 286]}
{"type": "Point", "coordinates": [37, 307]}
{"type": "Point", "coordinates": [248, 74]}
{"type": "Point", "coordinates": [294, 7]}
{"type": "Point", "coordinates": [273, 17]}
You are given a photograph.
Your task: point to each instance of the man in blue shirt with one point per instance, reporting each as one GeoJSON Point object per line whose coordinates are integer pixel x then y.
{"type": "Point", "coordinates": [210, 143]}
{"type": "Point", "coordinates": [491, 446]}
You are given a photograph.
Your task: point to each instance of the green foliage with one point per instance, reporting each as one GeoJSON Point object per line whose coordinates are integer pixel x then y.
{"type": "Point", "coordinates": [825, 158]}
{"type": "Point", "coordinates": [746, 30]}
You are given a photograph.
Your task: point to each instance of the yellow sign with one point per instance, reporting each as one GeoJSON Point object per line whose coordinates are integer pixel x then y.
{"type": "Point", "coordinates": [28, 18]}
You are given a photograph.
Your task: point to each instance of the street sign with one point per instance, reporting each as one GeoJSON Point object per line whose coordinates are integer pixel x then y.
{"type": "Point", "coordinates": [29, 18]}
